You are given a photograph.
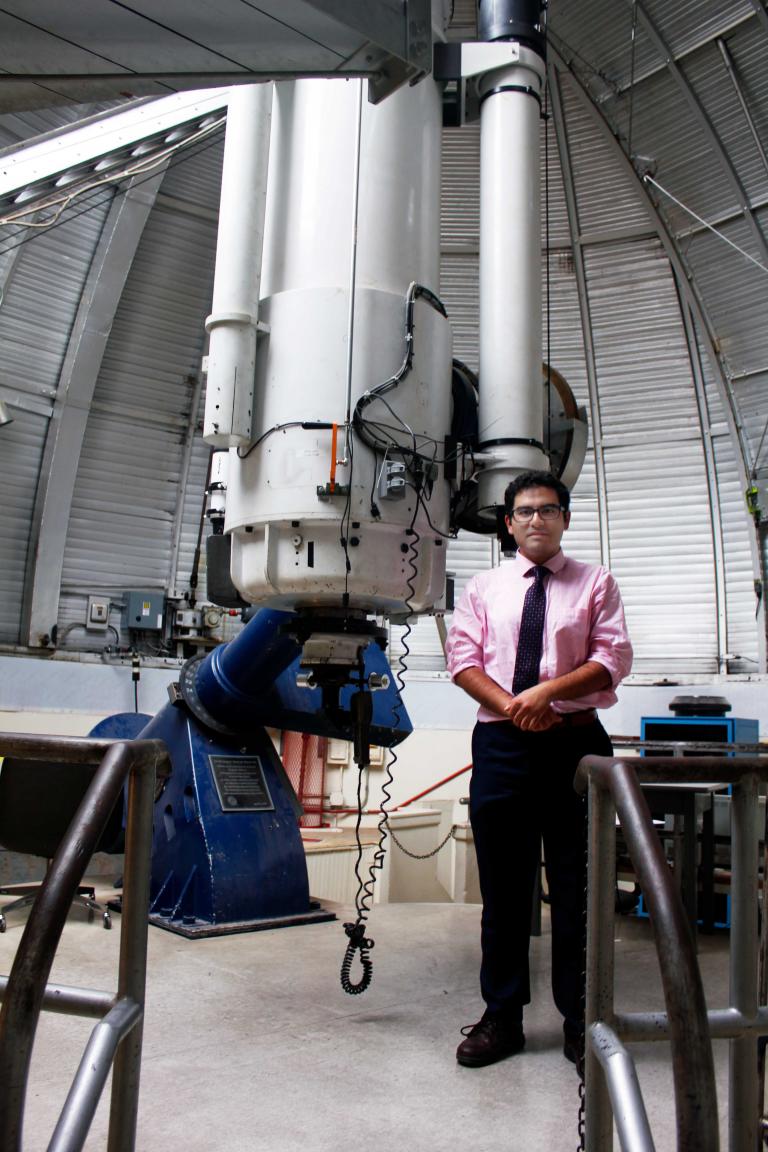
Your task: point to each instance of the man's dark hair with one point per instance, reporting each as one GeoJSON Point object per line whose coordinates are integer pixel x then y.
{"type": "Point", "coordinates": [535, 480]}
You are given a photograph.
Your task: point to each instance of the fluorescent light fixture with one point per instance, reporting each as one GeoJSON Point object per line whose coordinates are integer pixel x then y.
{"type": "Point", "coordinates": [5, 417]}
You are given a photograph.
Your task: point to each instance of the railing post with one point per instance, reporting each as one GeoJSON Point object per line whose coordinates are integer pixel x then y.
{"type": "Point", "coordinates": [743, 1083]}
{"type": "Point", "coordinates": [600, 959]}
{"type": "Point", "coordinates": [132, 975]}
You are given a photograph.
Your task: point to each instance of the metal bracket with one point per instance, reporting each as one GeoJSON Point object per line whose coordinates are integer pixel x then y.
{"type": "Point", "coordinates": [325, 492]}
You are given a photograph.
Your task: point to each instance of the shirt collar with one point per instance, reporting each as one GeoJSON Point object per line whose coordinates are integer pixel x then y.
{"type": "Point", "coordinates": [555, 564]}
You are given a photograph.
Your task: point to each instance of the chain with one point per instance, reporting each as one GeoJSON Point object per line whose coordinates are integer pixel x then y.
{"type": "Point", "coordinates": [581, 1123]}
{"type": "Point", "coordinates": [423, 855]}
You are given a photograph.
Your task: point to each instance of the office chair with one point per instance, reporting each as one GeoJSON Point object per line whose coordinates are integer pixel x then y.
{"type": "Point", "coordinates": [38, 799]}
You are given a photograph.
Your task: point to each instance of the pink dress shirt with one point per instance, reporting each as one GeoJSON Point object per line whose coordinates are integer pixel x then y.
{"type": "Point", "coordinates": [584, 621]}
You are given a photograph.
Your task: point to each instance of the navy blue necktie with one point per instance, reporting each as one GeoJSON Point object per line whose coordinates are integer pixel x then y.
{"type": "Point", "coordinates": [531, 638]}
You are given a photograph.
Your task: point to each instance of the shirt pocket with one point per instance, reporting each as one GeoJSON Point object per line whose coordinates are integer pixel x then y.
{"type": "Point", "coordinates": [570, 631]}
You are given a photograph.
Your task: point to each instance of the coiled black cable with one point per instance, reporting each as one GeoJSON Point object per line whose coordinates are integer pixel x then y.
{"type": "Point", "coordinates": [358, 941]}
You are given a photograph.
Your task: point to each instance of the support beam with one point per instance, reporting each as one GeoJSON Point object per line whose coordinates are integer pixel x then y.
{"type": "Point", "coordinates": [715, 513]}
{"type": "Point", "coordinates": [730, 68]}
{"type": "Point", "coordinates": [761, 13]}
{"type": "Point", "coordinates": [706, 127]}
{"type": "Point", "coordinates": [109, 269]}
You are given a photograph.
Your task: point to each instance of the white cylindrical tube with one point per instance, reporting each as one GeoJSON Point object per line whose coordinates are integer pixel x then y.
{"type": "Point", "coordinates": [234, 317]}
{"type": "Point", "coordinates": [511, 398]}
{"type": "Point", "coordinates": [304, 385]}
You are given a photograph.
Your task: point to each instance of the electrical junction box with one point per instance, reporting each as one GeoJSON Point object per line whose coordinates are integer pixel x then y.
{"type": "Point", "coordinates": [392, 480]}
{"type": "Point", "coordinates": [97, 617]}
{"type": "Point", "coordinates": [144, 611]}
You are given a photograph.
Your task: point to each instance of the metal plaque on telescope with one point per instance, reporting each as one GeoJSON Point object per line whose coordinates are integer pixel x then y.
{"type": "Point", "coordinates": [240, 784]}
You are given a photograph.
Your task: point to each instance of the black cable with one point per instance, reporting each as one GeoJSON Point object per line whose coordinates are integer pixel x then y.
{"type": "Point", "coordinates": [110, 191]}
{"type": "Point", "coordinates": [422, 503]}
{"type": "Point", "coordinates": [375, 512]}
{"type": "Point", "coordinates": [415, 292]}
{"type": "Point", "coordinates": [344, 523]}
{"type": "Point", "coordinates": [193, 576]}
{"type": "Point", "coordinates": [278, 428]}
{"type": "Point", "coordinates": [357, 940]}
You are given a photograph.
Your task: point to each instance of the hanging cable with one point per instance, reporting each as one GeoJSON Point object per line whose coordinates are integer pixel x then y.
{"type": "Point", "coordinates": [61, 200]}
{"type": "Point", "coordinates": [104, 194]}
{"type": "Point", "coordinates": [358, 942]}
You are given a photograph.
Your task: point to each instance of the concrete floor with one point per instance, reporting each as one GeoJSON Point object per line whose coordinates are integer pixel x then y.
{"type": "Point", "coordinates": [251, 1045]}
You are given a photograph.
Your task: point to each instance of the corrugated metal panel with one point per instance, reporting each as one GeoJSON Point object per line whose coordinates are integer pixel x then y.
{"type": "Point", "coordinates": [467, 554]}
{"type": "Point", "coordinates": [597, 37]}
{"type": "Point", "coordinates": [709, 77]}
{"type": "Point", "coordinates": [736, 296]}
{"type": "Point", "coordinates": [21, 449]}
{"type": "Point", "coordinates": [689, 23]}
{"type": "Point", "coordinates": [666, 130]}
{"type": "Point", "coordinates": [660, 531]}
{"type": "Point", "coordinates": [643, 368]}
{"type": "Point", "coordinates": [460, 189]}
{"type": "Point", "coordinates": [752, 397]}
{"type": "Point", "coordinates": [460, 292]}
{"type": "Point", "coordinates": [583, 537]}
{"type": "Point", "coordinates": [607, 197]}
{"type": "Point", "coordinates": [739, 585]}
{"type": "Point", "coordinates": [157, 337]}
{"type": "Point", "coordinates": [736, 527]}
{"type": "Point", "coordinates": [661, 554]}
{"type": "Point", "coordinates": [126, 493]}
{"type": "Point", "coordinates": [15, 127]}
{"type": "Point", "coordinates": [119, 529]}
{"type": "Point", "coordinates": [564, 333]}
{"type": "Point", "coordinates": [194, 496]}
{"type": "Point", "coordinates": [36, 319]}
{"type": "Point", "coordinates": [749, 53]}
{"type": "Point", "coordinates": [194, 174]}
{"type": "Point", "coordinates": [42, 300]}
{"type": "Point", "coordinates": [460, 195]}
{"type": "Point", "coordinates": [554, 211]}
{"type": "Point", "coordinates": [463, 24]}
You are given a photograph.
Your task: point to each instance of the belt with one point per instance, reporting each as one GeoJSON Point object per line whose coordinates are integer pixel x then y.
{"type": "Point", "coordinates": [578, 719]}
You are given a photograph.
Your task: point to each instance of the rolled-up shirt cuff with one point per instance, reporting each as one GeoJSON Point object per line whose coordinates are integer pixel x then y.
{"type": "Point", "coordinates": [459, 666]}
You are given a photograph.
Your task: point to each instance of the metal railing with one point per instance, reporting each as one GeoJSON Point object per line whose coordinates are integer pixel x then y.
{"type": "Point", "coordinates": [116, 1039]}
{"type": "Point", "coordinates": [615, 789]}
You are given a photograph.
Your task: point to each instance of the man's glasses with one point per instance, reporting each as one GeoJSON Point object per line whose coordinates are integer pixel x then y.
{"type": "Point", "coordinates": [524, 515]}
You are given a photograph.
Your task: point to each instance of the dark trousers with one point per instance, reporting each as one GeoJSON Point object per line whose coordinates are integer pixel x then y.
{"type": "Point", "coordinates": [521, 794]}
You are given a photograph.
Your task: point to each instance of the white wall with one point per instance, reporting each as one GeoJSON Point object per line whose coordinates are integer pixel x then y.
{"type": "Point", "coordinates": [68, 697]}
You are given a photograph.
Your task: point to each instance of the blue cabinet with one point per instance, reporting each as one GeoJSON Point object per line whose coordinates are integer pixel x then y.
{"type": "Point", "coordinates": [709, 729]}
{"type": "Point", "coordinates": [703, 730]}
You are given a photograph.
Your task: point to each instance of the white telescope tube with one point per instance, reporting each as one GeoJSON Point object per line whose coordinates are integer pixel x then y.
{"type": "Point", "coordinates": [233, 321]}
{"type": "Point", "coordinates": [511, 418]}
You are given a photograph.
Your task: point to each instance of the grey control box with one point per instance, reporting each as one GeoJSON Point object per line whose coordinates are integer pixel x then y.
{"type": "Point", "coordinates": [144, 611]}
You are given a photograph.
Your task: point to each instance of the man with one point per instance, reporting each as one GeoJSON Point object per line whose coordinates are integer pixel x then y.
{"type": "Point", "coordinates": [540, 643]}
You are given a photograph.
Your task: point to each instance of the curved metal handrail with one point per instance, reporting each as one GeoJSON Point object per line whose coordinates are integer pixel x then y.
{"type": "Point", "coordinates": [693, 1065]}
{"type": "Point", "coordinates": [26, 986]}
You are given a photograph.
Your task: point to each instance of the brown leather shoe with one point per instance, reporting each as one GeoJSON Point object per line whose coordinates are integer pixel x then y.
{"type": "Point", "coordinates": [573, 1049]}
{"type": "Point", "coordinates": [491, 1039]}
